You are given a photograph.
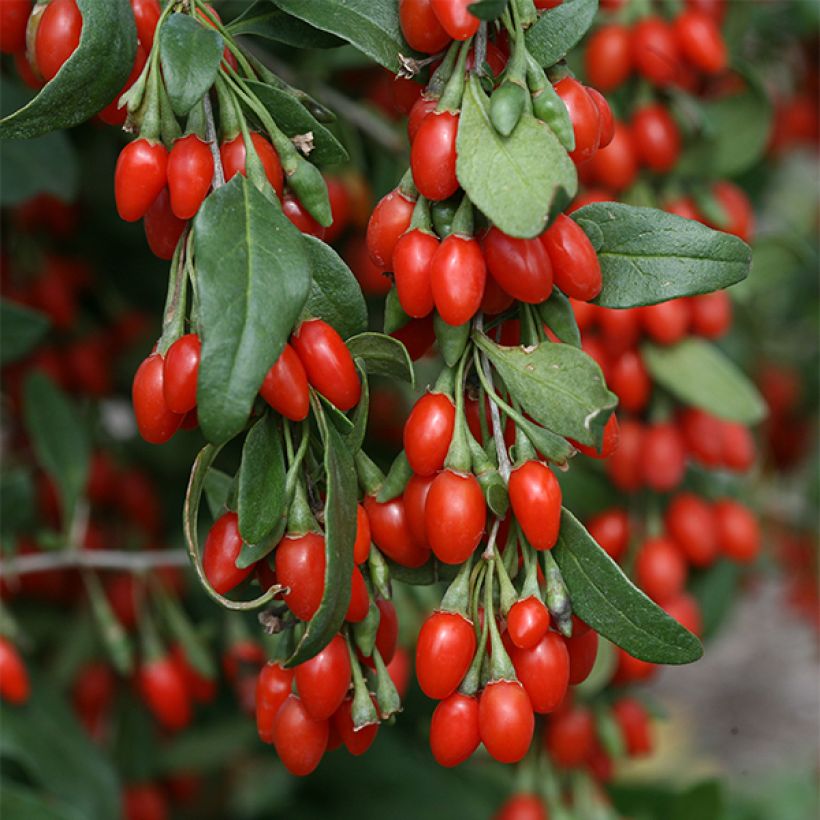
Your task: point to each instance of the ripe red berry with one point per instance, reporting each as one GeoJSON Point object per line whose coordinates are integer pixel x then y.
{"type": "Point", "coordinates": [444, 651]}
{"type": "Point", "coordinates": [14, 683]}
{"type": "Point", "coordinates": [300, 740]}
{"type": "Point", "coordinates": [233, 155]}
{"type": "Point", "coordinates": [144, 801]}
{"type": "Point", "coordinates": [139, 177]}
{"type": "Point", "coordinates": [523, 806]}
{"type": "Point", "coordinates": [162, 228]}
{"type": "Point", "coordinates": [608, 57]}
{"type": "Point", "coordinates": [583, 650]}
{"type": "Point", "coordinates": [656, 138]}
{"type": "Point", "coordinates": [575, 267]}
{"type": "Point", "coordinates": [686, 611]}
{"type": "Point", "coordinates": [625, 465]}
{"type": "Point", "coordinates": [634, 723]}
{"type": "Point", "coordinates": [222, 548]}
{"type": "Point", "coordinates": [629, 379]}
{"type": "Point", "coordinates": [663, 461]}
{"type": "Point", "coordinates": [543, 671]}
{"type": "Point", "coordinates": [711, 314]}
{"type": "Point", "coordinates": [323, 681]}
{"type": "Point", "coordinates": [738, 446]}
{"type": "Point", "coordinates": [521, 267]}
{"type": "Point", "coordinates": [14, 15]}
{"type": "Point", "coordinates": [190, 173]}
{"type": "Point", "coordinates": [616, 166]}
{"type": "Point", "coordinates": [356, 741]}
{"type": "Point", "coordinates": [738, 531]}
{"type": "Point", "coordinates": [535, 498]}
{"type": "Point", "coordinates": [415, 500]}
{"type": "Point", "coordinates": [433, 155]}
{"type": "Point", "coordinates": [690, 522]}
{"type": "Point", "coordinates": [703, 434]}
{"type": "Point", "coordinates": [272, 689]}
{"type": "Point", "coordinates": [293, 209]}
{"type": "Point", "coordinates": [163, 689]}
{"type": "Point", "coordinates": [300, 566]}
{"type": "Point", "coordinates": [285, 387]}
{"type": "Point", "coordinates": [606, 115]}
{"type": "Point", "coordinates": [361, 546]}
{"type": "Point", "coordinates": [428, 432]}
{"type": "Point", "coordinates": [570, 736]}
{"type": "Point", "coordinates": [455, 18]}
{"type": "Point", "coordinates": [609, 443]}
{"type": "Point", "coordinates": [55, 37]}
{"type": "Point", "coordinates": [505, 720]}
{"type": "Point", "coordinates": [740, 220]}
{"type": "Point", "coordinates": [457, 276]}
{"type": "Point", "coordinates": [527, 622]}
{"type": "Point", "coordinates": [389, 220]}
{"type": "Point", "coordinates": [391, 532]}
{"type": "Point", "coordinates": [585, 118]}
{"type": "Point", "coordinates": [700, 41]}
{"type": "Point", "coordinates": [155, 421]}
{"type": "Point", "coordinates": [454, 729]}
{"type": "Point", "coordinates": [660, 569]}
{"type": "Point", "coordinates": [421, 27]}
{"type": "Point", "coordinates": [146, 16]}
{"type": "Point", "coordinates": [655, 51]}
{"type": "Point", "coordinates": [180, 373]}
{"type": "Point", "coordinates": [412, 260]}
{"type": "Point", "coordinates": [454, 516]}
{"type": "Point", "coordinates": [610, 529]}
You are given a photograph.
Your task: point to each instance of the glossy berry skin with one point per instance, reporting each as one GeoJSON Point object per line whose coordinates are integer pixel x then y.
{"type": "Point", "coordinates": [505, 720]}
{"type": "Point", "coordinates": [606, 115]}
{"type": "Point", "coordinates": [361, 546]}
{"type": "Point", "coordinates": [222, 547]}
{"type": "Point", "coordinates": [543, 671]}
{"type": "Point", "coordinates": [454, 516]}
{"type": "Point", "coordinates": [455, 18]}
{"type": "Point", "coordinates": [323, 681]}
{"type": "Point", "coordinates": [13, 18]}
{"type": "Point", "coordinates": [357, 742]}
{"type": "Point", "coordinates": [300, 566]}
{"type": "Point", "coordinates": [620, 329]}
{"type": "Point", "coordinates": [610, 529]}
{"type": "Point", "coordinates": [690, 522]}
{"type": "Point", "coordinates": [56, 37]}
{"type": "Point", "coordinates": [656, 138]}
{"type": "Point", "coordinates": [738, 447]}
{"type": "Point", "coordinates": [328, 363]}
{"type": "Point", "coordinates": [703, 434]}
{"type": "Point", "coordinates": [454, 730]}
{"type": "Point", "coordinates": [444, 651]}
{"type": "Point", "coordinates": [667, 322]}
{"type": "Point", "coordinates": [575, 267]}
{"type": "Point", "coordinates": [155, 421]}
{"type": "Point", "coordinates": [428, 432]}
{"type": "Point", "coordinates": [655, 51]}
{"type": "Point", "coordinates": [740, 217]}
{"type": "Point", "coordinates": [608, 57]}
{"type": "Point", "coordinates": [711, 314]}
{"type": "Point", "coordinates": [300, 218]}
{"type": "Point", "coordinates": [389, 220]}
{"type": "Point", "coordinates": [162, 228]}
{"type": "Point", "coordinates": [586, 121]}
{"type": "Point", "coordinates": [660, 569]}
{"type": "Point", "coordinates": [14, 683]}
{"type": "Point", "coordinates": [629, 379]}
{"type": "Point", "coordinates": [285, 387]}
{"type": "Point", "coordinates": [421, 27]}
{"type": "Point", "coordinates": [521, 267]}
{"type": "Point", "coordinates": [233, 156]}
{"type": "Point", "coordinates": [457, 276]}
{"type": "Point", "coordinates": [180, 373]}
{"type": "Point", "coordinates": [522, 806]}
{"type": "Point", "coordinates": [391, 532]}
{"type": "Point", "coordinates": [609, 442]}
{"type": "Point", "coordinates": [433, 155]}
{"type": "Point", "coordinates": [738, 531]}
{"type": "Point", "coordinates": [633, 721]}
{"type": "Point", "coordinates": [146, 16]}
{"type": "Point", "coordinates": [570, 736]}
{"type": "Point", "coordinates": [527, 622]}
{"type": "Point", "coordinates": [686, 611]}
{"type": "Point", "coordinates": [272, 689]}
{"type": "Point", "coordinates": [412, 259]}
{"type": "Point", "coordinates": [616, 166]}
{"type": "Point", "coordinates": [415, 500]}
{"type": "Point", "coordinates": [139, 177]}
{"type": "Point", "coordinates": [582, 648]}
{"type": "Point", "coordinates": [162, 688]}
{"type": "Point", "coordinates": [624, 467]}
{"type": "Point", "coordinates": [663, 462]}
{"type": "Point", "coordinates": [700, 41]}
{"type": "Point", "coordinates": [300, 740]}
{"type": "Point", "coordinates": [190, 172]}
{"type": "Point", "coordinates": [387, 635]}
{"type": "Point", "coordinates": [535, 498]}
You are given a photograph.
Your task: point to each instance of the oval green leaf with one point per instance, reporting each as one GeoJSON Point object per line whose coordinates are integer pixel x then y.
{"type": "Point", "coordinates": [518, 180]}
{"type": "Point", "coordinates": [700, 375]}
{"type": "Point", "coordinates": [649, 256]}
{"type": "Point", "coordinates": [276, 25]}
{"type": "Point", "coordinates": [559, 29]}
{"type": "Point", "coordinates": [612, 605]}
{"type": "Point", "coordinates": [556, 313]}
{"type": "Point", "coordinates": [383, 356]}
{"type": "Point", "coordinates": [91, 77]}
{"type": "Point", "coordinates": [253, 277]}
{"type": "Point", "coordinates": [21, 328]}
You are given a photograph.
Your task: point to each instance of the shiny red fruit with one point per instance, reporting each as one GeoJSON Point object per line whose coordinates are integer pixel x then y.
{"type": "Point", "coordinates": [616, 166]}
{"type": "Point", "coordinates": [222, 548]}
{"type": "Point", "coordinates": [655, 51]}
{"type": "Point", "coordinates": [415, 500]}
{"type": "Point", "coordinates": [543, 671]}
{"type": "Point", "coordinates": [285, 387]}
{"type": "Point", "coordinates": [457, 276]}
{"type": "Point", "coordinates": [300, 566]}
{"type": "Point", "coordinates": [609, 443]}
{"type": "Point", "coordinates": [521, 267]}
{"type": "Point", "coordinates": [139, 177]}
{"type": "Point", "coordinates": [583, 113]}
{"type": "Point", "coordinates": [164, 692]}
{"type": "Point", "coordinates": [454, 730]}
{"type": "Point", "coordinates": [190, 173]}
{"type": "Point", "coordinates": [323, 681]}
{"type": "Point", "coordinates": [535, 498]}
{"type": "Point", "coordinates": [180, 373]}
{"type": "Point", "coordinates": [272, 689]}
{"type": "Point", "coordinates": [738, 531]}
{"type": "Point", "coordinates": [660, 569]}
{"type": "Point", "coordinates": [625, 465]}
{"type": "Point", "coordinates": [527, 622]}
{"type": "Point", "coordinates": [300, 740]}
{"type": "Point", "coordinates": [583, 650]}
{"type": "Point", "coordinates": [14, 682]}
{"type": "Point", "coordinates": [361, 546]}
{"type": "Point", "coordinates": [505, 720]}
{"type": "Point", "coordinates": [525, 806]}
{"type": "Point", "coordinates": [356, 741]}
{"type": "Point", "coordinates": [389, 220]}
{"type": "Point", "coordinates": [155, 421]}
{"type": "Point", "coordinates": [233, 155]}
{"type": "Point", "coordinates": [608, 57]}
{"type": "Point", "coordinates": [570, 736]}
{"type": "Point", "coordinates": [629, 379]}
{"type": "Point", "coordinates": [412, 260]}
{"type": "Point", "coordinates": [711, 314]}
{"type": "Point", "coordinates": [391, 532]}
{"type": "Point", "coordinates": [691, 524]}
{"type": "Point", "coordinates": [740, 220]}
{"type": "Point", "coordinates": [428, 432]}
{"type": "Point", "coordinates": [610, 529]}
{"type": "Point", "coordinates": [455, 18]}
{"type": "Point", "coordinates": [421, 27]}
{"type": "Point", "coordinates": [667, 322]}
{"type": "Point", "coordinates": [454, 516]}
{"type": "Point", "coordinates": [162, 228]}
{"type": "Point", "coordinates": [656, 138]}
{"type": "Point", "coordinates": [433, 155]}
{"type": "Point", "coordinates": [298, 215]}
{"type": "Point", "coordinates": [606, 115]}
{"type": "Point", "coordinates": [56, 36]}
{"type": "Point", "coordinates": [146, 16]}
{"type": "Point", "coordinates": [444, 651]}
{"type": "Point", "coordinates": [663, 461]}
{"type": "Point", "coordinates": [633, 721]}
{"type": "Point", "coordinates": [700, 41]}
{"type": "Point", "coordinates": [575, 267]}
{"type": "Point", "coordinates": [13, 18]}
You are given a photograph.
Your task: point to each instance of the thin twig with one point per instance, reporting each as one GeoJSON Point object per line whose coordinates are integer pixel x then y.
{"type": "Point", "coordinates": [210, 133]}
{"type": "Point", "coordinates": [92, 559]}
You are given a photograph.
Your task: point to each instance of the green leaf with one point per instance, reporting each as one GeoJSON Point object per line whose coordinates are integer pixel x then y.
{"type": "Point", "coordinates": [650, 256]}
{"type": "Point", "coordinates": [704, 800]}
{"type": "Point", "coordinates": [700, 375]}
{"type": "Point", "coordinates": [516, 181]}
{"type": "Point", "coordinates": [487, 9]}
{"type": "Point", "coordinates": [253, 277]}
{"type": "Point", "coordinates": [394, 316]}
{"type": "Point", "coordinates": [335, 295]}
{"type": "Point", "coordinates": [17, 505]}
{"type": "Point", "coordinates": [371, 26]}
{"type": "Point", "coordinates": [340, 533]}
{"type": "Point", "coordinates": [559, 29]}
{"type": "Point", "coordinates": [559, 386]}
{"type": "Point", "coordinates": [606, 599]}
{"type": "Point", "coordinates": [383, 356]}
{"type": "Point", "coordinates": [45, 740]}
{"type": "Point", "coordinates": [22, 802]}
{"type": "Point", "coordinates": [59, 438]}
{"type": "Point", "coordinates": [21, 328]}
{"type": "Point", "coordinates": [281, 27]}
{"type": "Point", "coordinates": [205, 748]}
{"type": "Point", "coordinates": [190, 52]}
{"type": "Point", "coordinates": [556, 313]}
{"type": "Point", "coordinates": [91, 77]}
{"type": "Point", "coordinates": [293, 118]}
{"type": "Point", "coordinates": [261, 481]}
{"type": "Point", "coordinates": [217, 486]}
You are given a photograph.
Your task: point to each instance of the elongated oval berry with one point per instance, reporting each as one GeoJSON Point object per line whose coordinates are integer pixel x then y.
{"type": "Point", "coordinates": [444, 651]}
{"type": "Point", "coordinates": [391, 532]}
{"type": "Point", "coordinates": [139, 177]}
{"type": "Point", "coordinates": [412, 260]}
{"type": "Point", "coordinates": [162, 228]}
{"type": "Point", "coordinates": [361, 546]}
{"type": "Point", "coordinates": [190, 173]}
{"type": "Point", "coordinates": [583, 650]}
{"type": "Point", "coordinates": [180, 373]}
{"type": "Point", "coordinates": [700, 41]}
{"type": "Point", "coordinates": [285, 387]}
{"type": "Point", "coordinates": [585, 118]}
{"type": "Point", "coordinates": [415, 500]}
{"type": "Point", "coordinates": [162, 687]}
{"type": "Point", "coordinates": [389, 220]}
{"type": "Point", "coordinates": [454, 516]}
{"type": "Point", "coordinates": [570, 736]}
{"type": "Point", "coordinates": [300, 566]}
{"type": "Point", "coordinates": [454, 729]}
{"type": "Point", "coordinates": [610, 529]}
{"type": "Point", "coordinates": [296, 212]}
{"type": "Point", "coordinates": [527, 622]}
{"type": "Point", "coordinates": [575, 267]}
{"type": "Point", "coordinates": [455, 18]}
{"type": "Point", "coordinates": [146, 16]}
{"type": "Point", "coordinates": [428, 432]}
{"type": "Point", "coordinates": [633, 721]}
{"type": "Point", "coordinates": [608, 57]}
{"type": "Point", "coordinates": [525, 806]}
{"type": "Point", "coordinates": [56, 36]}
{"type": "Point", "coordinates": [272, 689]}
{"type": "Point", "coordinates": [421, 27]}
{"type": "Point", "coordinates": [663, 459]}
{"type": "Point", "coordinates": [433, 155]}
{"type": "Point", "coordinates": [660, 569]}
{"type": "Point", "coordinates": [323, 681]}
{"type": "Point", "coordinates": [505, 720]}
{"type": "Point", "coordinates": [328, 363]}
{"type": "Point", "coordinates": [233, 155]}
{"type": "Point", "coordinates": [155, 421]}
{"type": "Point", "coordinates": [656, 138]}
{"type": "Point", "coordinates": [14, 15]}
{"type": "Point", "coordinates": [14, 683]}
{"type": "Point", "coordinates": [535, 498]}
{"type": "Point", "coordinates": [521, 267]}
{"type": "Point", "coordinates": [457, 276]}
{"type": "Point", "coordinates": [655, 51]}
{"type": "Point", "coordinates": [300, 740]}
{"type": "Point", "coordinates": [222, 548]}
{"type": "Point", "coordinates": [543, 671]}
{"type": "Point", "coordinates": [691, 523]}
{"type": "Point", "coordinates": [356, 741]}
{"type": "Point", "coordinates": [738, 531]}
